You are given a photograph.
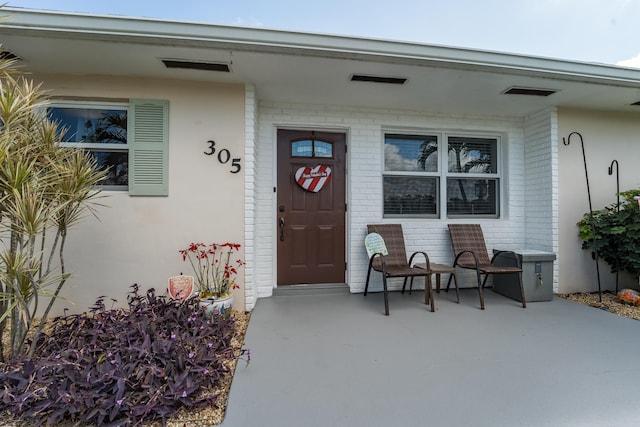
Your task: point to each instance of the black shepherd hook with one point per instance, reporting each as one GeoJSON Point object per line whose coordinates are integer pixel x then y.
{"type": "Point", "coordinates": [615, 162]}
{"type": "Point", "coordinates": [593, 227]}
{"type": "Point", "coordinates": [617, 208]}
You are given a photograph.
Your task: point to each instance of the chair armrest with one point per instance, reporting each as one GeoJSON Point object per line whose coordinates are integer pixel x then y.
{"type": "Point", "coordinates": [475, 258]}
{"type": "Point", "coordinates": [373, 257]}
{"type": "Point", "coordinates": [426, 259]}
{"type": "Point", "coordinates": [517, 258]}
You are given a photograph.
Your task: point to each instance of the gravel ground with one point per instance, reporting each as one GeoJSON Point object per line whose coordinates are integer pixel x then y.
{"type": "Point", "coordinates": [609, 303]}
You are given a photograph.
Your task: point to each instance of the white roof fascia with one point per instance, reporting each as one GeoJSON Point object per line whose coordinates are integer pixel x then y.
{"type": "Point", "coordinates": [150, 31]}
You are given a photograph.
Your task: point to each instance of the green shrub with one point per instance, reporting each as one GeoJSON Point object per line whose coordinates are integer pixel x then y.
{"type": "Point", "coordinates": [615, 233]}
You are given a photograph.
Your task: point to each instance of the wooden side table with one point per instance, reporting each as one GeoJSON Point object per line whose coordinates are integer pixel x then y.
{"type": "Point", "coordinates": [439, 269]}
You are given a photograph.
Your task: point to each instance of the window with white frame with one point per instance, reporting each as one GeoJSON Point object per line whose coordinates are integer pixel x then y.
{"type": "Point", "coordinates": [100, 129]}
{"type": "Point", "coordinates": [130, 139]}
{"type": "Point", "coordinates": [436, 175]}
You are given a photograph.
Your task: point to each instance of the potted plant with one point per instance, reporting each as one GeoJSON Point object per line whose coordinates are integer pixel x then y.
{"type": "Point", "coordinates": [215, 272]}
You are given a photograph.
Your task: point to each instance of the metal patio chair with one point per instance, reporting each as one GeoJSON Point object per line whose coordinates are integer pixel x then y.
{"type": "Point", "coordinates": [470, 251]}
{"type": "Point", "coordinates": [387, 254]}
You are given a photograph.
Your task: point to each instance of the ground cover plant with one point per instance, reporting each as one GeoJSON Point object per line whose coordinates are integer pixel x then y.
{"type": "Point", "coordinates": [121, 366]}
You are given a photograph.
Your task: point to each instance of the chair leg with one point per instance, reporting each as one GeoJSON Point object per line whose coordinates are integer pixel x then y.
{"type": "Point", "coordinates": [438, 283]}
{"type": "Point", "coordinates": [480, 290]}
{"type": "Point", "coordinates": [524, 302]}
{"type": "Point", "coordinates": [428, 292]}
{"type": "Point", "coordinates": [448, 284]}
{"type": "Point", "coordinates": [386, 297]}
{"type": "Point", "coordinates": [366, 286]}
{"type": "Point", "coordinates": [484, 282]}
{"type": "Point", "coordinates": [404, 285]}
{"type": "Point", "coordinates": [427, 296]}
{"type": "Point", "coordinates": [455, 280]}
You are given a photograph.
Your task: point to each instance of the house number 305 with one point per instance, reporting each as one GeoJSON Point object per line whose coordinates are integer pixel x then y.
{"type": "Point", "coordinates": [224, 157]}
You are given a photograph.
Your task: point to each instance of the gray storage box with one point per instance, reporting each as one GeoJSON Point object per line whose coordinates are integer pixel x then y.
{"type": "Point", "coordinates": [537, 275]}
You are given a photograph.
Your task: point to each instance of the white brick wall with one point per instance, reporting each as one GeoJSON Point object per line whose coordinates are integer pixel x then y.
{"type": "Point", "coordinates": [250, 149]}
{"type": "Point", "coordinates": [541, 183]}
{"type": "Point", "coordinates": [364, 128]}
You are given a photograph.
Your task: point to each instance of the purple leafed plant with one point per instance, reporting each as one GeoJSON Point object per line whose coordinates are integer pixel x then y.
{"type": "Point", "coordinates": [120, 367]}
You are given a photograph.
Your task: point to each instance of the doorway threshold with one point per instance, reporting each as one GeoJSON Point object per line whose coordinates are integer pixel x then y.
{"type": "Point", "coordinates": [311, 289]}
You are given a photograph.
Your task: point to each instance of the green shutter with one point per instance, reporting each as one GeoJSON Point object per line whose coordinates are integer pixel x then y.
{"type": "Point", "coordinates": [148, 137]}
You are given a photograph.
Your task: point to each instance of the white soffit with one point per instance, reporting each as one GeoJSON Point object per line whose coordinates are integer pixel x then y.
{"type": "Point", "coordinates": [287, 65]}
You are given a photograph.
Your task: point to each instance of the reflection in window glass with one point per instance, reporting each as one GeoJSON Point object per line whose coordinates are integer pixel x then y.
{"type": "Point", "coordinates": [103, 124]}
{"type": "Point", "coordinates": [472, 155]}
{"type": "Point", "coordinates": [311, 148]}
{"type": "Point", "coordinates": [92, 125]}
{"type": "Point", "coordinates": [410, 153]}
{"type": "Point", "coordinates": [118, 164]}
{"type": "Point", "coordinates": [470, 196]}
{"type": "Point", "coordinates": [410, 195]}
{"type": "Point", "coordinates": [302, 148]}
{"type": "Point", "coordinates": [323, 149]}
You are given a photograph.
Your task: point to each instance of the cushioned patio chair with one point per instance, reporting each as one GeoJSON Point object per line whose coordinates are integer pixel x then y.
{"type": "Point", "coordinates": [470, 252]}
{"type": "Point", "coordinates": [387, 254]}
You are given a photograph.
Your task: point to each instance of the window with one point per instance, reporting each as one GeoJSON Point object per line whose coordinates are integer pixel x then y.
{"type": "Point", "coordinates": [418, 169]}
{"type": "Point", "coordinates": [101, 129]}
{"type": "Point", "coordinates": [311, 148]}
{"type": "Point", "coordinates": [411, 181]}
{"type": "Point", "coordinates": [472, 176]}
{"type": "Point", "coordinates": [131, 139]}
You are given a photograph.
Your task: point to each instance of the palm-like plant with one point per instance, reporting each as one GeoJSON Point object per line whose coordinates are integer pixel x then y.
{"type": "Point", "coordinates": [44, 190]}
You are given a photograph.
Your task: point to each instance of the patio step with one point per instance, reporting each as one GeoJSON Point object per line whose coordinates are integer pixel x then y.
{"type": "Point", "coordinates": [311, 289]}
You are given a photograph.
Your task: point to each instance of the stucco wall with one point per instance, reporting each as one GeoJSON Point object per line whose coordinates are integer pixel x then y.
{"type": "Point", "coordinates": [364, 128]}
{"type": "Point", "coordinates": [606, 136]}
{"type": "Point", "coordinates": [137, 239]}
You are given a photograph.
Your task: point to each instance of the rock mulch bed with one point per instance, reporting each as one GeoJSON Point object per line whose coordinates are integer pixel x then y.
{"type": "Point", "coordinates": [609, 303]}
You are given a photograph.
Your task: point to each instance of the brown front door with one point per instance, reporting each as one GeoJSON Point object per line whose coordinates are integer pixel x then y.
{"type": "Point", "coordinates": [311, 207]}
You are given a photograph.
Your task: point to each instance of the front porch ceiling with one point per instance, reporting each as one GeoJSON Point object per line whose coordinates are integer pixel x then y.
{"type": "Point", "coordinates": [311, 68]}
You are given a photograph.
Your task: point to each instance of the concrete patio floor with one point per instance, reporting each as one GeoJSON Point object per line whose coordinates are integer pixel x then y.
{"type": "Point", "coordinates": [336, 360]}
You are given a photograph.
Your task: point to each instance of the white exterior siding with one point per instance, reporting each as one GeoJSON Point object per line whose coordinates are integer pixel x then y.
{"type": "Point", "coordinates": [364, 128]}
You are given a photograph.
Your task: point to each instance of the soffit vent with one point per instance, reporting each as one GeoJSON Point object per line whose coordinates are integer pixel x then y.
{"type": "Point", "coordinates": [378, 79]}
{"type": "Point", "coordinates": [196, 65]}
{"type": "Point", "coordinates": [531, 91]}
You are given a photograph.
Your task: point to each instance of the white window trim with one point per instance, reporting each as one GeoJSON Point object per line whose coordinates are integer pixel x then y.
{"type": "Point", "coordinates": [95, 105]}
{"type": "Point", "coordinates": [445, 174]}
{"type": "Point", "coordinates": [443, 166]}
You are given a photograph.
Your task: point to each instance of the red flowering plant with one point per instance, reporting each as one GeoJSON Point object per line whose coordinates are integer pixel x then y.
{"type": "Point", "coordinates": [213, 268]}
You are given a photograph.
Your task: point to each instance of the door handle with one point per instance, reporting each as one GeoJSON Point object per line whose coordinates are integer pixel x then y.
{"type": "Point", "coordinates": [281, 222]}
